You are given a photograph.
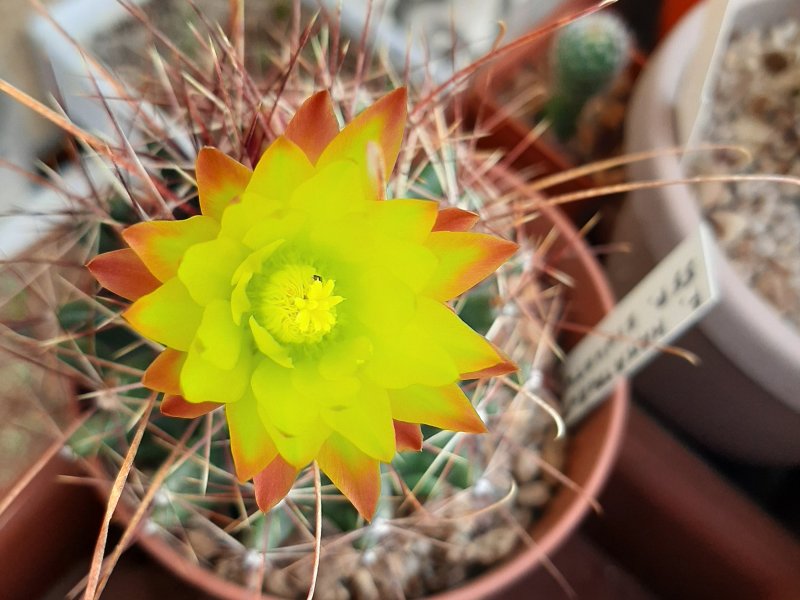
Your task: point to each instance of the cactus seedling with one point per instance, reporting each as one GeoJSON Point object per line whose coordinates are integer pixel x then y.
{"type": "Point", "coordinates": [585, 58]}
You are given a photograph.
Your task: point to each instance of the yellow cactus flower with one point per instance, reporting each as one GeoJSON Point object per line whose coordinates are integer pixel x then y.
{"type": "Point", "coordinates": [309, 307]}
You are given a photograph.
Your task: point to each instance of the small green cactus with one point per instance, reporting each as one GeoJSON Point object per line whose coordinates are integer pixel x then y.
{"type": "Point", "coordinates": [586, 57]}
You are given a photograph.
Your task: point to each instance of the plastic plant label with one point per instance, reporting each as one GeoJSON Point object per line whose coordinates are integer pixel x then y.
{"type": "Point", "coordinates": [676, 294]}
{"type": "Point", "coordinates": [695, 93]}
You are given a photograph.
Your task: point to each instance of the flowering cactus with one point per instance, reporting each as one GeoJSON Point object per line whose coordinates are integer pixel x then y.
{"type": "Point", "coordinates": [310, 308]}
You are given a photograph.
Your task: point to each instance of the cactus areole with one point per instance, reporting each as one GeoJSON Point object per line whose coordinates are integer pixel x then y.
{"type": "Point", "coordinates": [309, 307]}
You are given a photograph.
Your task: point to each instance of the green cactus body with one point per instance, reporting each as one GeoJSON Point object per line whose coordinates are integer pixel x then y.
{"type": "Point", "coordinates": [586, 57]}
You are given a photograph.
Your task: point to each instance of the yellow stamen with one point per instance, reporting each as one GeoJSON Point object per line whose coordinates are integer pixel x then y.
{"type": "Point", "coordinates": [296, 305]}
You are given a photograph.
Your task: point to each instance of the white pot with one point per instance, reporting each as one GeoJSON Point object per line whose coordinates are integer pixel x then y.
{"type": "Point", "coordinates": [744, 400]}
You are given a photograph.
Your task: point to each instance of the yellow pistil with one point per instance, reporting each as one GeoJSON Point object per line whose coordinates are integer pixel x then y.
{"type": "Point", "coordinates": [297, 306]}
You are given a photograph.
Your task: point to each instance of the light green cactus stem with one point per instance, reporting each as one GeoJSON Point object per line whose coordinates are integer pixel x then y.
{"type": "Point", "coordinates": [585, 57]}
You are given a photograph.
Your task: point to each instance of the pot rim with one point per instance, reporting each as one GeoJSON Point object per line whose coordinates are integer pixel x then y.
{"type": "Point", "coordinates": [747, 327]}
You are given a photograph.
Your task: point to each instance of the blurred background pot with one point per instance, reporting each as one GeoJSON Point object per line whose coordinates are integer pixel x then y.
{"type": "Point", "coordinates": [547, 115]}
{"type": "Point", "coordinates": [743, 400]}
{"type": "Point", "coordinates": [45, 526]}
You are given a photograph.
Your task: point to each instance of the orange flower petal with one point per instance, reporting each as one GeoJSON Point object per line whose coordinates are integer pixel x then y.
{"type": "Point", "coordinates": [382, 123]}
{"type": "Point", "coordinates": [177, 406]}
{"type": "Point", "coordinates": [356, 475]}
{"type": "Point", "coordinates": [164, 373]}
{"type": "Point", "coordinates": [220, 180]}
{"type": "Point", "coordinates": [314, 125]}
{"type": "Point", "coordinates": [123, 273]}
{"type": "Point", "coordinates": [273, 483]}
{"type": "Point", "coordinates": [465, 259]}
{"type": "Point", "coordinates": [455, 219]}
{"type": "Point", "coordinates": [251, 446]}
{"type": "Point", "coordinates": [162, 244]}
{"type": "Point", "coordinates": [444, 407]}
{"type": "Point", "coordinates": [501, 368]}
{"type": "Point", "coordinates": [407, 436]}
{"type": "Point", "coordinates": [168, 315]}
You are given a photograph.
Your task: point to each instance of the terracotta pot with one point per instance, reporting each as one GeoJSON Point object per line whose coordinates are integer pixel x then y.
{"type": "Point", "coordinates": [743, 400]}
{"type": "Point", "coordinates": [508, 131]}
{"type": "Point", "coordinates": [593, 446]}
{"type": "Point", "coordinates": [686, 514]}
{"type": "Point", "coordinates": [45, 527]}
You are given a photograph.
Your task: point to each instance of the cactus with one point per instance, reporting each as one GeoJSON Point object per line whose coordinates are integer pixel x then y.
{"type": "Point", "coordinates": [461, 504]}
{"type": "Point", "coordinates": [585, 58]}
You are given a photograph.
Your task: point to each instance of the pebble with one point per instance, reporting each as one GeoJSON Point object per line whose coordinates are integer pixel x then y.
{"type": "Point", "coordinates": [757, 106]}
{"type": "Point", "coordinates": [727, 225]}
{"type": "Point", "coordinates": [526, 465]}
{"type": "Point", "coordinates": [534, 495]}
{"type": "Point", "coordinates": [553, 453]}
{"type": "Point", "coordinates": [278, 584]}
{"type": "Point", "coordinates": [488, 548]}
{"type": "Point", "coordinates": [364, 587]}
{"type": "Point", "coordinates": [331, 591]}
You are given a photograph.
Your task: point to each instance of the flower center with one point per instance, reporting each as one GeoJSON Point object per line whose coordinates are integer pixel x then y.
{"type": "Point", "coordinates": [296, 305]}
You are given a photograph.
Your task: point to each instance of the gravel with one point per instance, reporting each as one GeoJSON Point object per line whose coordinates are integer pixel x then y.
{"type": "Point", "coordinates": [756, 105]}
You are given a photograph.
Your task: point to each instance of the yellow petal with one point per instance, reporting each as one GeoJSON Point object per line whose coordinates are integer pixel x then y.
{"type": "Point", "coordinates": [380, 301]}
{"type": "Point", "coordinates": [383, 123]}
{"type": "Point", "coordinates": [409, 356]}
{"type": "Point", "coordinates": [162, 244]}
{"type": "Point", "coordinates": [240, 301]}
{"type": "Point", "coordinates": [343, 358]}
{"type": "Point", "coordinates": [219, 340]}
{"type": "Point", "coordinates": [268, 345]}
{"type": "Point", "coordinates": [366, 423]}
{"type": "Point", "coordinates": [408, 220]}
{"type": "Point", "coordinates": [413, 264]}
{"type": "Point", "coordinates": [332, 192]}
{"type": "Point", "coordinates": [280, 403]}
{"type": "Point", "coordinates": [346, 240]}
{"type": "Point", "coordinates": [168, 315]}
{"type": "Point", "coordinates": [470, 351]}
{"type": "Point", "coordinates": [299, 450]}
{"type": "Point", "coordinates": [275, 229]}
{"type": "Point", "coordinates": [279, 171]}
{"type": "Point", "coordinates": [203, 381]}
{"type": "Point", "coordinates": [207, 269]}
{"type": "Point", "coordinates": [338, 392]}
